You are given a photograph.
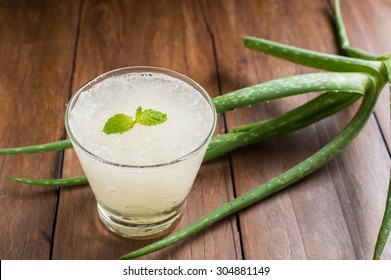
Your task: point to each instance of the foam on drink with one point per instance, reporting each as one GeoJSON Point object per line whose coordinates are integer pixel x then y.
{"type": "Point", "coordinates": [188, 122]}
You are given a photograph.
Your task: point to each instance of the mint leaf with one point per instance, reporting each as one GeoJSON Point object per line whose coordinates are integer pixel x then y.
{"type": "Point", "coordinates": [150, 117]}
{"type": "Point", "coordinates": [121, 123]}
{"type": "Point", "coordinates": [118, 124]}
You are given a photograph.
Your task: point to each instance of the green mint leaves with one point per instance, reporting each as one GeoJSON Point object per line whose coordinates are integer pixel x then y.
{"type": "Point", "coordinates": [149, 117]}
{"type": "Point", "coordinates": [118, 124]}
{"type": "Point", "coordinates": [121, 123]}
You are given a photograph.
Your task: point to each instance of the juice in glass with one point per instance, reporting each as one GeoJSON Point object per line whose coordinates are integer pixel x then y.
{"type": "Point", "coordinates": [141, 178]}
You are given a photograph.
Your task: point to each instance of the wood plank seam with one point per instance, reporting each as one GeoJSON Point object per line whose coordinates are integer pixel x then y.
{"type": "Point", "coordinates": [297, 224]}
{"type": "Point", "coordinates": [225, 129]}
{"type": "Point", "coordinates": [358, 250]}
{"type": "Point", "coordinates": [60, 161]}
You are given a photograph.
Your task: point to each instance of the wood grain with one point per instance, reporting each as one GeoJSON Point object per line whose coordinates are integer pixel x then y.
{"type": "Point", "coordinates": [49, 50]}
{"type": "Point", "coordinates": [172, 35]}
{"type": "Point", "coordinates": [36, 53]}
{"type": "Point", "coordinates": [323, 216]}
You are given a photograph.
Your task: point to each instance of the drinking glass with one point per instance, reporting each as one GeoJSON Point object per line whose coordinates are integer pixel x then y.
{"type": "Point", "coordinates": [140, 201]}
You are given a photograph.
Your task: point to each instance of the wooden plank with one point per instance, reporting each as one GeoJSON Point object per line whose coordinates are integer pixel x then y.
{"type": "Point", "coordinates": [367, 24]}
{"type": "Point", "coordinates": [334, 213]}
{"type": "Point", "coordinates": [169, 34]}
{"type": "Point", "coordinates": [36, 53]}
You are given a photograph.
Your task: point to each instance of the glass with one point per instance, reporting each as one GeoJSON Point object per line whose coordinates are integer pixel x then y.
{"type": "Point", "coordinates": [143, 201]}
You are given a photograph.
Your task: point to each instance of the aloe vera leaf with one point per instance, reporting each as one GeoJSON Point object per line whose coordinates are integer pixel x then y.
{"type": "Point", "coordinates": [385, 227]}
{"type": "Point", "coordinates": [262, 92]}
{"type": "Point", "coordinates": [313, 59]}
{"type": "Point", "coordinates": [297, 118]}
{"type": "Point", "coordinates": [344, 41]}
{"type": "Point", "coordinates": [291, 176]}
{"type": "Point", "coordinates": [54, 146]}
{"type": "Point", "coordinates": [283, 87]}
{"type": "Point", "coordinates": [322, 106]}
{"type": "Point", "coordinates": [244, 97]}
{"type": "Point", "coordinates": [293, 120]}
{"type": "Point", "coordinates": [290, 121]}
{"type": "Point", "coordinates": [302, 116]}
{"type": "Point", "coordinates": [64, 182]}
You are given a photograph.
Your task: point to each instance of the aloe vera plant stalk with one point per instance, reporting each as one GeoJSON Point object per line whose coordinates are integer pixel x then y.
{"type": "Point", "coordinates": [301, 170]}
{"type": "Point", "coordinates": [310, 112]}
{"type": "Point", "coordinates": [377, 75]}
{"type": "Point", "coordinates": [385, 227]}
{"type": "Point", "coordinates": [54, 146]}
{"type": "Point", "coordinates": [361, 76]}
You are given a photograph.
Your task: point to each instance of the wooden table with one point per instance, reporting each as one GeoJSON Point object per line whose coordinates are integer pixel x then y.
{"type": "Point", "coordinates": [51, 48]}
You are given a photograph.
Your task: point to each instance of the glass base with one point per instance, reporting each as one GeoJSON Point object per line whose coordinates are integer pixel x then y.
{"type": "Point", "coordinates": [138, 231]}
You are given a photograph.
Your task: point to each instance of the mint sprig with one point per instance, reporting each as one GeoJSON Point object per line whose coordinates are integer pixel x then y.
{"type": "Point", "coordinates": [121, 123]}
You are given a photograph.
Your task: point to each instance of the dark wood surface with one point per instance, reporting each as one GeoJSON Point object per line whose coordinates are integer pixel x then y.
{"type": "Point", "coordinates": [49, 49]}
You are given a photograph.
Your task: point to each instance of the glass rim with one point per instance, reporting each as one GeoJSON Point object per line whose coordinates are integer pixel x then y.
{"type": "Point", "coordinates": [141, 69]}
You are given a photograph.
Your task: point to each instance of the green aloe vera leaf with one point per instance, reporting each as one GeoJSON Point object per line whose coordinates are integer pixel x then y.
{"type": "Point", "coordinates": [54, 146]}
{"type": "Point", "coordinates": [344, 41]}
{"type": "Point", "coordinates": [296, 173]}
{"type": "Point", "coordinates": [64, 182]}
{"type": "Point", "coordinates": [289, 86]}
